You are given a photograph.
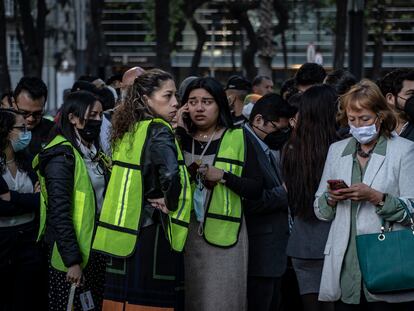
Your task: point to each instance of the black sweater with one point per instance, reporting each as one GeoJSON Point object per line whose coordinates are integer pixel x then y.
{"type": "Point", "coordinates": [249, 185]}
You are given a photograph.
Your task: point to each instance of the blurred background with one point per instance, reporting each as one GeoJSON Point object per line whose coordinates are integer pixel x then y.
{"type": "Point", "coordinates": [64, 39]}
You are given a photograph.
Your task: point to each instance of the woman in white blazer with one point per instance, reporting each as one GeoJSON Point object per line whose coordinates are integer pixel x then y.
{"type": "Point", "coordinates": [378, 167]}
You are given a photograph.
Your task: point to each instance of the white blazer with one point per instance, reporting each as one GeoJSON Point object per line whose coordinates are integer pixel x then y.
{"type": "Point", "coordinates": [392, 174]}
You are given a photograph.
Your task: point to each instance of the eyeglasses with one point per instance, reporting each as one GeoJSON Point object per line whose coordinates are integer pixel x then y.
{"type": "Point", "coordinates": [283, 130]}
{"type": "Point", "coordinates": [22, 128]}
{"type": "Point", "coordinates": [35, 115]}
{"type": "Point", "coordinates": [26, 114]}
{"type": "Point", "coordinates": [402, 97]}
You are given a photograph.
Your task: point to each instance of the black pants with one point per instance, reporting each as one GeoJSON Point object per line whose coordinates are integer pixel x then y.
{"type": "Point", "coordinates": [263, 294]}
{"type": "Point", "coordinates": [23, 270]}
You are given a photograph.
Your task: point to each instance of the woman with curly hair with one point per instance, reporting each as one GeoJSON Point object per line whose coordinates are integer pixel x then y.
{"type": "Point", "coordinates": [20, 256]}
{"type": "Point", "coordinates": [147, 205]}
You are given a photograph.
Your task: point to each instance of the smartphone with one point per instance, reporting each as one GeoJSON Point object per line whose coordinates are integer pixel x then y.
{"type": "Point", "coordinates": [336, 184]}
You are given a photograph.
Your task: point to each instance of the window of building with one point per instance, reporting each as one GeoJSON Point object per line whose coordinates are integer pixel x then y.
{"type": "Point", "coordinates": [14, 54]}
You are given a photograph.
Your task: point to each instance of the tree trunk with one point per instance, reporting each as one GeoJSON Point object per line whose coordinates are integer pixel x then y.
{"type": "Point", "coordinates": [162, 32]}
{"type": "Point", "coordinates": [379, 18]}
{"type": "Point", "coordinates": [282, 13]}
{"type": "Point", "coordinates": [238, 11]}
{"type": "Point", "coordinates": [285, 53]}
{"type": "Point", "coordinates": [201, 40]}
{"type": "Point", "coordinates": [265, 38]}
{"type": "Point", "coordinates": [4, 70]}
{"type": "Point", "coordinates": [97, 53]}
{"type": "Point", "coordinates": [340, 33]}
{"type": "Point", "coordinates": [31, 36]}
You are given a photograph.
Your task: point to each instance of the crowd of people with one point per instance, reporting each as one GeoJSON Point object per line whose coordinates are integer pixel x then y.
{"type": "Point", "coordinates": [138, 195]}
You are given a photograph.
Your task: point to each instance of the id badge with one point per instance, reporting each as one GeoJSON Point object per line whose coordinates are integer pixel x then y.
{"type": "Point", "coordinates": [87, 301]}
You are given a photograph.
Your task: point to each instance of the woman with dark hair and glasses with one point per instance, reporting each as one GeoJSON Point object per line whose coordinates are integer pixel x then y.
{"type": "Point", "coordinates": [20, 256]}
{"type": "Point", "coordinates": [302, 170]}
{"type": "Point", "coordinates": [224, 170]}
{"type": "Point", "coordinates": [72, 177]}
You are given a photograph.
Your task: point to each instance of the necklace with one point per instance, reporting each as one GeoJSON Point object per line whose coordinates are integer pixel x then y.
{"type": "Point", "coordinates": [10, 161]}
{"type": "Point", "coordinates": [202, 144]}
{"type": "Point", "coordinates": [199, 161]}
{"type": "Point", "coordinates": [364, 154]}
{"type": "Point", "coordinates": [204, 136]}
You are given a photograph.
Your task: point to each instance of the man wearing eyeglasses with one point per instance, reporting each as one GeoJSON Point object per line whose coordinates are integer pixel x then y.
{"type": "Point", "coordinates": [30, 97]}
{"type": "Point", "coordinates": [397, 86]}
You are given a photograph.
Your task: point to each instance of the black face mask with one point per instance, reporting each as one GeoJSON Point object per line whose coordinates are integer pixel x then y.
{"type": "Point", "coordinates": [91, 130]}
{"type": "Point", "coordinates": [276, 140]}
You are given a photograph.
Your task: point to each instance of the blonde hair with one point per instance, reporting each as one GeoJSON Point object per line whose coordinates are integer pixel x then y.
{"type": "Point", "coordinates": [367, 95]}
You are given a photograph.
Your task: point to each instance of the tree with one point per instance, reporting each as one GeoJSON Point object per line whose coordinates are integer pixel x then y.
{"type": "Point", "coordinates": [4, 70]}
{"type": "Point", "coordinates": [31, 35]}
{"type": "Point", "coordinates": [265, 38]}
{"type": "Point", "coordinates": [162, 33]}
{"type": "Point", "coordinates": [238, 10]}
{"type": "Point", "coordinates": [340, 33]}
{"type": "Point", "coordinates": [282, 13]}
{"type": "Point", "coordinates": [189, 7]}
{"type": "Point", "coordinates": [96, 51]}
{"type": "Point", "coordinates": [378, 25]}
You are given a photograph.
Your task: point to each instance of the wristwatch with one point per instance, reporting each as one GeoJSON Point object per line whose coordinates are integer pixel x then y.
{"type": "Point", "coordinates": [382, 202]}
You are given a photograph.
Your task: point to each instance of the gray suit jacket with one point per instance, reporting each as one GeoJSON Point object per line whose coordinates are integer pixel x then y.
{"type": "Point", "coordinates": [392, 174]}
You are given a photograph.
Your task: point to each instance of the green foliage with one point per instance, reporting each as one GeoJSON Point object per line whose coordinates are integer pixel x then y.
{"type": "Point", "coordinates": [176, 16]}
{"type": "Point", "coordinates": [149, 7]}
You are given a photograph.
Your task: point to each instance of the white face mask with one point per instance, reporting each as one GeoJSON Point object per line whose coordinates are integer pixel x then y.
{"type": "Point", "coordinates": [364, 134]}
{"type": "Point", "coordinates": [247, 110]}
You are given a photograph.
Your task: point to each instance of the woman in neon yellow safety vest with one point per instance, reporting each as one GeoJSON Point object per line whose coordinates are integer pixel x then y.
{"type": "Point", "coordinates": [73, 180]}
{"type": "Point", "coordinates": [148, 201]}
{"type": "Point", "coordinates": [224, 170]}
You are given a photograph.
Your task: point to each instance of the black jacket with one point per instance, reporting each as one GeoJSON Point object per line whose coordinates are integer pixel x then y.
{"type": "Point", "coordinates": [57, 165]}
{"type": "Point", "coordinates": [40, 136]}
{"type": "Point", "coordinates": [160, 167]}
{"type": "Point", "coordinates": [267, 221]}
{"type": "Point", "coordinates": [408, 132]}
{"type": "Point", "coordinates": [20, 203]}
{"type": "Point", "coordinates": [160, 174]}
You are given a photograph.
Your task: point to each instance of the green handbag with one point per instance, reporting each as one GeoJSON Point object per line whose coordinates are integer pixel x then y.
{"type": "Point", "coordinates": [386, 259]}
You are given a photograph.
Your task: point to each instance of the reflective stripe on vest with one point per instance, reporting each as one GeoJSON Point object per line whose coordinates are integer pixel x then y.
{"type": "Point", "coordinates": [224, 212]}
{"type": "Point", "coordinates": [121, 212]}
{"type": "Point", "coordinates": [83, 206]}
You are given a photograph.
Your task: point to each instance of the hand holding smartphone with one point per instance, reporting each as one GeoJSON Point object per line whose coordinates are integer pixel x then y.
{"type": "Point", "coordinates": [336, 184]}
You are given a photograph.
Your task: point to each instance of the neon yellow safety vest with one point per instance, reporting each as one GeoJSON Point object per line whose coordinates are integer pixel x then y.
{"type": "Point", "coordinates": [83, 206]}
{"type": "Point", "coordinates": [121, 212]}
{"type": "Point", "coordinates": [224, 212]}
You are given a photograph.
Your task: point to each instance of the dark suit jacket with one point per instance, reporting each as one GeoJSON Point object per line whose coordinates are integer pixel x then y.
{"type": "Point", "coordinates": [408, 132]}
{"type": "Point", "coordinates": [267, 221]}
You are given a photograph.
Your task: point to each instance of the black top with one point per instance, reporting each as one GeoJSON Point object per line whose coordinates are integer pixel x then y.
{"type": "Point", "coordinates": [40, 136]}
{"type": "Point", "coordinates": [408, 132]}
{"type": "Point", "coordinates": [20, 203]}
{"type": "Point", "coordinates": [249, 185]}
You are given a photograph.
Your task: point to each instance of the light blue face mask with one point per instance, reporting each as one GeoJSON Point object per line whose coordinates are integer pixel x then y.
{"type": "Point", "coordinates": [198, 201]}
{"type": "Point", "coordinates": [22, 142]}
